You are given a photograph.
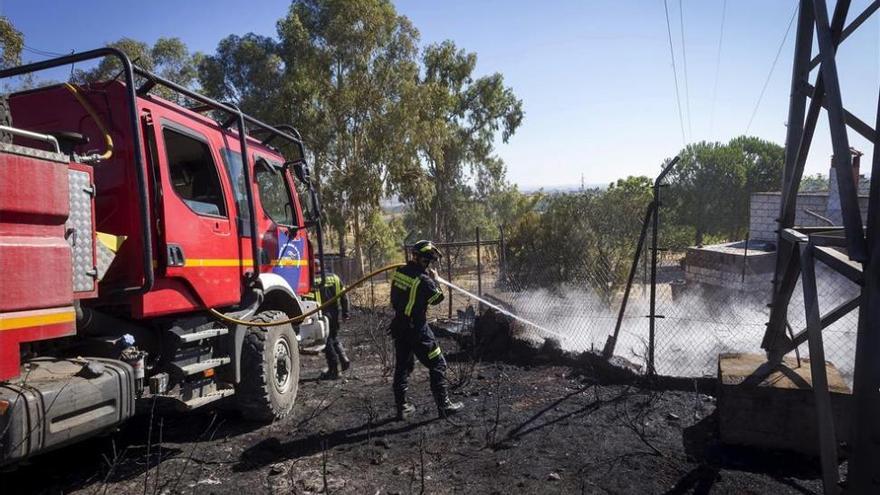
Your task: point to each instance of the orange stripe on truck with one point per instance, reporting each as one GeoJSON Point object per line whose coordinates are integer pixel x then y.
{"type": "Point", "coordinates": [190, 263]}
{"type": "Point", "coordinates": [26, 319]}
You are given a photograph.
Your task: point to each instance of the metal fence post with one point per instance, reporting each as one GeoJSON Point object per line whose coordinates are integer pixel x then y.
{"type": "Point", "coordinates": [372, 287]}
{"type": "Point", "coordinates": [503, 254]}
{"type": "Point", "coordinates": [449, 278]}
{"type": "Point", "coordinates": [610, 344]}
{"type": "Point", "coordinates": [479, 267]}
{"type": "Point", "coordinates": [655, 223]}
{"type": "Point", "coordinates": [655, 227]}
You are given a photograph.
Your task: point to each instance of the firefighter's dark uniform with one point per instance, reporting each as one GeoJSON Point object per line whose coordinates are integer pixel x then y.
{"type": "Point", "coordinates": [331, 287]}
{"type": "Point", "coordinates": [412, 291]}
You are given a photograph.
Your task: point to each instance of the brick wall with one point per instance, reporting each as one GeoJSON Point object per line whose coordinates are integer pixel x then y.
{"type": "Point", "coordinates": [764, 210]}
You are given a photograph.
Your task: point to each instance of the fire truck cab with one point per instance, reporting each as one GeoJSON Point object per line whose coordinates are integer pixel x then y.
{"type": "Point", "coordinates": [129, 209]}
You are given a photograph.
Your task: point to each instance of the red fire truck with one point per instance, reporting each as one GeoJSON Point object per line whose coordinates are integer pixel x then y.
{"type": "Point", "coordinates": [128, 209]}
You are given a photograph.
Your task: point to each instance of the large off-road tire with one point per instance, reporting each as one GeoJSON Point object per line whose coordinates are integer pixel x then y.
{"type": "Point", "coordinates": [269, 370]}
{"type": "Point", "coordinates": [5, 119]}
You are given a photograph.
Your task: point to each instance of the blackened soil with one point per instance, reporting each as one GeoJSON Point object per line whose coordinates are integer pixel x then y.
{"type": "Point", "coordinates": [526, 428]}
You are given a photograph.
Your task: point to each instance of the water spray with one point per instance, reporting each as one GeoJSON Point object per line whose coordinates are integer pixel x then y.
{"type": "Point", "coordinates": [497, 307]}
{"type": "Point", "coordinates": [298, 319]}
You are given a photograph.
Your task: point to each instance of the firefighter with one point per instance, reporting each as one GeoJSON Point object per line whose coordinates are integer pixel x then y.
{"type": "Point", "coordinates": [333, 351]}
{"type": "Point", "coordinates": [413, 289]}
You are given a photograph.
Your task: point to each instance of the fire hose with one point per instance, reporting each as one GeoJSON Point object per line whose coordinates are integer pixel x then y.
{"type": "Point", "coordinates": [331, 301]}
{"type": "Point", "coordinates": [299, 318]}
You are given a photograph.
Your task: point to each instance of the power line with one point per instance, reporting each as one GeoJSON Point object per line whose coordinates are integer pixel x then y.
{"type": "Point", "coordinates": [770, 74]}
{"type": "Point", "coordinates": [687, 92]}
{"type": "Point", "coordinates": [717, 72]}
{"type": "Point", "coordinates": [674, 72]}
{"type": "Point", "coordinates": [43, 53]}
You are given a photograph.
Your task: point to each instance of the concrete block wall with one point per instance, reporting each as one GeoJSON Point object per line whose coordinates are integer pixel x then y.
{"type": "Point", "coordinates": [727, 267]}
{"type": "Point", "coordinates": [764, 210]}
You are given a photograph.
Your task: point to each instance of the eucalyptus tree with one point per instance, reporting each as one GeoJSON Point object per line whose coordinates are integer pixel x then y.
{"type": "Point", "coordinates": [459, 118]}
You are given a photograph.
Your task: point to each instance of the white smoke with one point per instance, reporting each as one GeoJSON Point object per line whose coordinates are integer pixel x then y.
{"type": "Point", "coordinates": [698, 324]}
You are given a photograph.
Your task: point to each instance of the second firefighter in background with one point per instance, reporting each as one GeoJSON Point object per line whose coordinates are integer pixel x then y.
{"type": "Point", "coordinates": [330, 288]}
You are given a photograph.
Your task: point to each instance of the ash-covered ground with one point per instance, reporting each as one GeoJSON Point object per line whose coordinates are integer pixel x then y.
{"type": "Point", "coordinates": [532, 424]}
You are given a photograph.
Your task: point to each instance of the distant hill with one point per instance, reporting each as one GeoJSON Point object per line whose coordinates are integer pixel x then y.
{"type": "Point", "coordinates": [393, 205]}
{"type": "Point", "coordinates": [562, 189]}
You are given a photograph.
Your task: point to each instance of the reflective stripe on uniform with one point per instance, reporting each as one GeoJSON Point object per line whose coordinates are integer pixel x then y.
{"type": "Point", "coordinates": [436, 352]}
{"type": "Point", "coordinates": [403, 279]}
{"type": "Point", "coordinates": [330, 280]}
{"type": "Point", "coordinates": [434, 298]}
{"type": "Point", "coordinates": [412, 297]}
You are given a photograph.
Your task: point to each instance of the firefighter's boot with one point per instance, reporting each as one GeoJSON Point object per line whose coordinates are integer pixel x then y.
{"type": "Point", "coordinates": [402, 406]}
{"type": "Point", "coordinates": [331, 374]}
{"type": "Point", "coordinates": [405, 411]}
{"type": "Point", "coordinates": [344, 362]}
{"type": "Point", "coordinates": [446, 407]}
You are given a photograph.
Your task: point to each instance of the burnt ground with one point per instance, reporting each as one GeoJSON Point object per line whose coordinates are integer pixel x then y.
{"type": "Point", "coordinates": [528, 427]}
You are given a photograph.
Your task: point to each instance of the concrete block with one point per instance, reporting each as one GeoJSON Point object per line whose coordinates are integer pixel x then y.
{"type": "Point", "coordinates": [778, 413]}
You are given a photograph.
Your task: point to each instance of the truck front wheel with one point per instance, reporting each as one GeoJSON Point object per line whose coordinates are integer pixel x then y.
{"type": "Point", "coordinates": [269, 370]}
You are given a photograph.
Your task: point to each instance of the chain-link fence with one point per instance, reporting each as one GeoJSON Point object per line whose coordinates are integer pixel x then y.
{"type": "Point", "coordinates": [709, 299]}
{"type": "Point", "coordinates": [474, 265]}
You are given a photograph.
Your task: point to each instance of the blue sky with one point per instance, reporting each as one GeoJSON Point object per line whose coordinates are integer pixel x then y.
{"type": "Point", "coordinates": [595, 76]}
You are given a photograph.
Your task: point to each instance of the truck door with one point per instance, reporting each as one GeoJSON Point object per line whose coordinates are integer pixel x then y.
{"type": "Point", "coordinates": [281, 218]}
{"type": "Point", "coordinates": [200, 247]}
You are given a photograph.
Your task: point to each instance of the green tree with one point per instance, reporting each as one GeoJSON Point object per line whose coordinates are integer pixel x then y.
{"type": "Point", "coordinates": [349, 70]}
{"type": "Point", "coordinates": [707, 187]}
{"type": "Point", "coordinates": [375, 121]}
{"type": "Point", "coordinates": [245, 70]}
{"type": "Point", "coordinates": [11, 43]}
{"type": "Point", "coordinates": [173, 61]}
{"type": "Point", "coordinates": [586, 238]}
{"type": "Point", "coordinates": [459, 120]}
{"type": "Point", "coordinates": [507, 204]}
{"type": "Point", "coordinates": [763, 161]}
{"type": "Point", "coordinates": [168, 57]}
{"type": "Point", "coordinates": [547, 246]}
{"type": "Point", "coordinates": [814, 183]}
{"type": "Point", "coordinates": [713, 182]}
{"type": "Point", "coordinates": [615, 219]}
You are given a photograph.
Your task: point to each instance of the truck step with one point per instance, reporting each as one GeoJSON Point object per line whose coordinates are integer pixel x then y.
{"type": "Point", "coordinates": [206, 399]}
{"type": "Point", "coordinates": [191, 369]}
{"type": "Point", "coordinates": [210, 333]}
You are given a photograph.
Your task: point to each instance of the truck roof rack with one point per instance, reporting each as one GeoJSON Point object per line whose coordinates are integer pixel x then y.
{"type": "Point", "coordinates": [285, 132]}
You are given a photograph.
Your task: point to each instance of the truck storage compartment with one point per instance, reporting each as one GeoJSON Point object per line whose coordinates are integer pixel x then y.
{"type": "Point", "coordinates": [34, 254]}
{"type": "Point", "coordinates": [58, 402]}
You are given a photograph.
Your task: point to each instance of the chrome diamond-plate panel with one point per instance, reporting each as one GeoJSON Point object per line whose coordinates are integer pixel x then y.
{"type": "Point", "coordinates": [34, 153]}
{"type": "Point", "coordinates": [79, 231]}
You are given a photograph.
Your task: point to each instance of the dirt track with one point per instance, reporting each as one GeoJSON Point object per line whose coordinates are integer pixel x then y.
{"type": "Point", "coordinates": [527, 429]}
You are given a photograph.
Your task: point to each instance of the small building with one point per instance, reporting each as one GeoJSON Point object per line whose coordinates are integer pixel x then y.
{"type": "Point", "coordinates": [749, 266]}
